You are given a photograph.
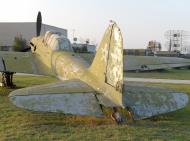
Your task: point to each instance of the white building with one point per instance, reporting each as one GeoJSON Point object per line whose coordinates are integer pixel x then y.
{"type": "Point", "coordinates": [8, 31]}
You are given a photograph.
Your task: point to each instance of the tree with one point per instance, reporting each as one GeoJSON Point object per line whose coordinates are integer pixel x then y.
{"type": "Point", "coordinates": [19, 43]}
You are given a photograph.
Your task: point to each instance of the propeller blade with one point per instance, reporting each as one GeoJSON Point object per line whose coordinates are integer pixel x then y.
{"type": "Point", "coordinates": [38, 24]}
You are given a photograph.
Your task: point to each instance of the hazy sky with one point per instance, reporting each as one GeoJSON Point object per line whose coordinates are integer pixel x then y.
{"type": "Point", "coordinates": [139, 20]}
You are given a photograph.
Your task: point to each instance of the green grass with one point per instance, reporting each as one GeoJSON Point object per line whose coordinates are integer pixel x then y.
{"type": "Point", "coordinates": [181, 74]}
{"type": "Point", "coordinates": [19, 124]}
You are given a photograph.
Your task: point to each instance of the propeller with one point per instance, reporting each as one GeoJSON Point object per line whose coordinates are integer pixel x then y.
{"type": "Point", "coordinates": [38, 24]}
{"type": "Point", "coordinates": [38, 29]}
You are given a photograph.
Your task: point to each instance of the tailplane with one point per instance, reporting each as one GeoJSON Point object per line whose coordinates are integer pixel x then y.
{"type": "Point", "coordinates": [108, 62]}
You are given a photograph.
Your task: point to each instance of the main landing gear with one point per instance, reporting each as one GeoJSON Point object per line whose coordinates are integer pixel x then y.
{"type": "Point", "coordinates": [7, 79]}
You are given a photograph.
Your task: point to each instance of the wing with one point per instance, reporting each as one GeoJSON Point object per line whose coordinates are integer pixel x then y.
{"type": "Point", "coordinates": [146, 101]}
{"type": "Point", "coordinates": [69, 97]}
{"type": "Point", "coordinates": [144, 63]}
{"type": "Point", "coordinates": [21, 62]}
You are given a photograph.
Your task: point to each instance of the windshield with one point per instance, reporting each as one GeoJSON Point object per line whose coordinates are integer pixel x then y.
{"type": "Point", "coordinates": [64, 44]}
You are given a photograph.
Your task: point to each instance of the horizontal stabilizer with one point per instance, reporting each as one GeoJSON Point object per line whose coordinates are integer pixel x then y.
{"type": "Point", "coordinates": [58, 97]}
{"type": "Point", "coordinates": [145, 102]}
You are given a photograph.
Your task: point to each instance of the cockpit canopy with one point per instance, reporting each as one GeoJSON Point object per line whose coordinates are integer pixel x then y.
{"type": "Point", "coordinates": [57, 42]}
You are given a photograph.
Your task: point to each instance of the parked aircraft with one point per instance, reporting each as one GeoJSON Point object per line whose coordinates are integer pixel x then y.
{"type": "Point", "coordinates": [150, 63]}
{"type": "Point", "coordinates": [146, 63]}
{"type": "Point", "coordinates": [83, 89]}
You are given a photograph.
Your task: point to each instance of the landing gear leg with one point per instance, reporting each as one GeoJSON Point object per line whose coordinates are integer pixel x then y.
{"type": "Point", "coordinates": [7, 79]}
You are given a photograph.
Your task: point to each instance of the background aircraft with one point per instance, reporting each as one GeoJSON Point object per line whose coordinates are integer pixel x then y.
{"type": "Point", "coordinates": [146, 63]}
{"type": "Point", "coordinates": [83, 89]}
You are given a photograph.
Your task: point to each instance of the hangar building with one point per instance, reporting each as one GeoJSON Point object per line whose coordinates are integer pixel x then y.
{"type": "Point", "coordinates": [8, 31]}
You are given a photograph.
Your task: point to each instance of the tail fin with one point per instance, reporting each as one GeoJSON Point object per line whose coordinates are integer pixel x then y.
{"type": "Point", "coordinates": [108, 62]}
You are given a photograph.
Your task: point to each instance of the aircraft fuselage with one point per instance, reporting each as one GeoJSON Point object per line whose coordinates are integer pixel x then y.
{"type": "Point", "coordinates": [67, 65]}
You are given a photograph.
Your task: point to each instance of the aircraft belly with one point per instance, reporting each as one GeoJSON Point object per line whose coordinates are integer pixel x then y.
{"type": "Point", "coordinates": [149, 101]}
{"type": "Point", "coordinates": [77, 104]}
